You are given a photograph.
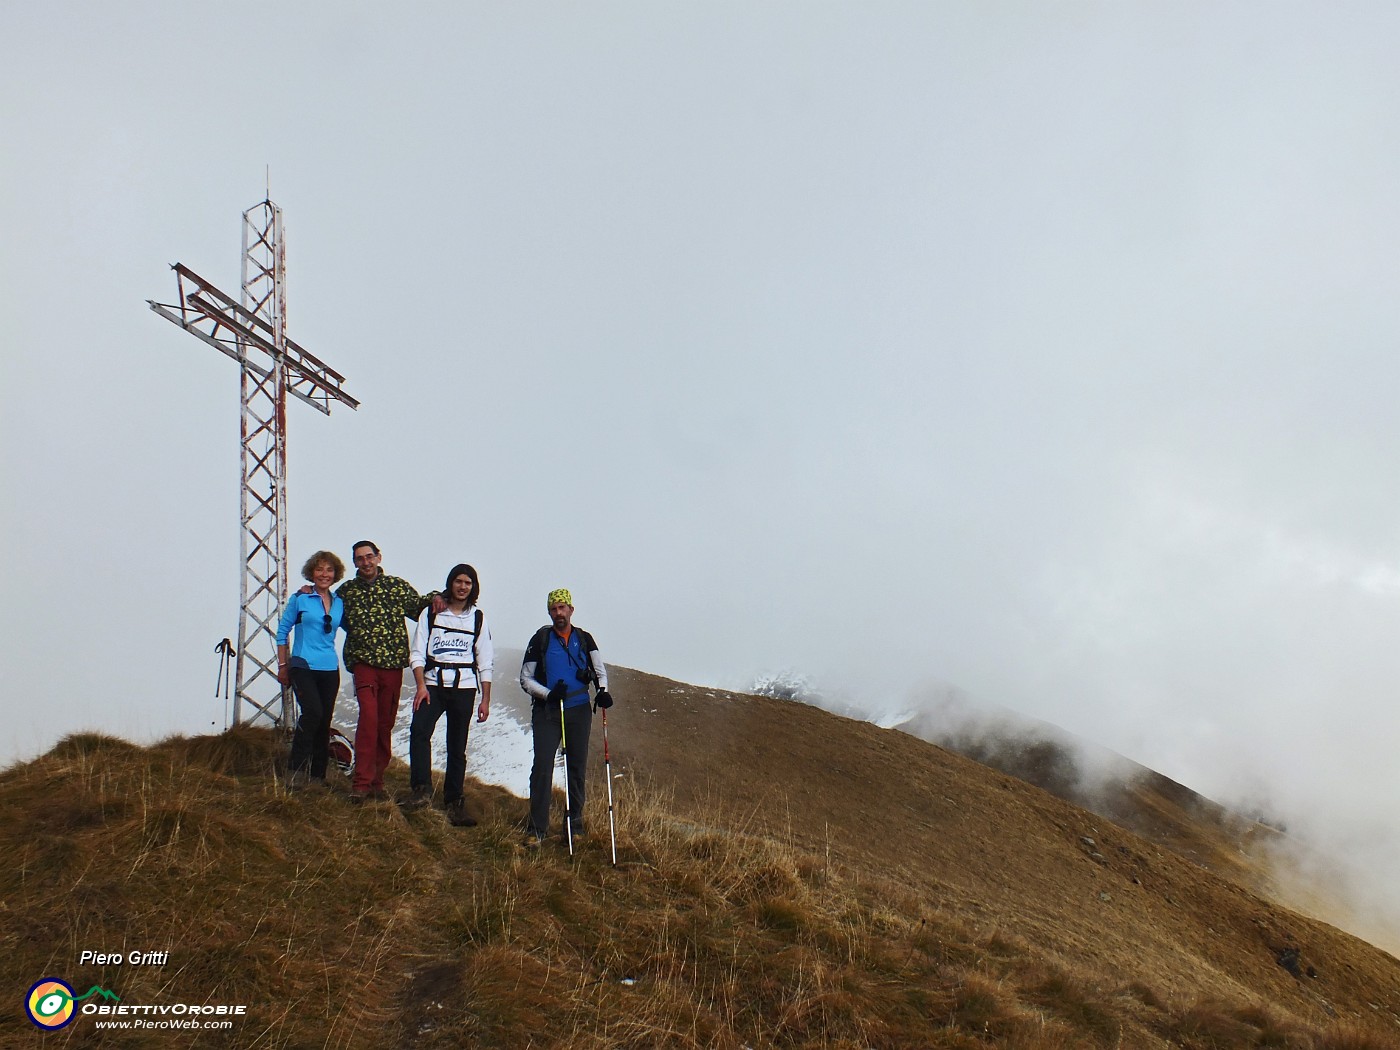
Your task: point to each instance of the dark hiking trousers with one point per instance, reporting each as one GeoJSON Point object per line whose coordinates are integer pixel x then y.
{"type": "Point", "coordinates": [458, 705]}
{"type": "Point", "coordinates": [315, 692]}
{"type": "Point", "coordinates": [544, 719]}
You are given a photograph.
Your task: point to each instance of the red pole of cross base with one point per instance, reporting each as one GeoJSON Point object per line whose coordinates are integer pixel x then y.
{"type": "Point", "coordinates": [607, 769]}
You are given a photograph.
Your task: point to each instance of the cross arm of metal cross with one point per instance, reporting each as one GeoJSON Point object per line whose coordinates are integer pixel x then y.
{"type": "Point", "coordinates": [216, 318]}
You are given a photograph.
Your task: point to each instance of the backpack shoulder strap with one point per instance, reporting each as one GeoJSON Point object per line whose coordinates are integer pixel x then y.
{"type": "Point", "coordinates": [476, 636]}
{"type": "Point", "coordinates": [428, 662]}
{"type": "Point", "coordinates": [587, 646]}
{"type": "Point", "coordinates": [535, 651]}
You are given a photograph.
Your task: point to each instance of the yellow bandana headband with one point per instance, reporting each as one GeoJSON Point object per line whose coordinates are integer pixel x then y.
{"type": "Point", "coordinates": [559, 596]}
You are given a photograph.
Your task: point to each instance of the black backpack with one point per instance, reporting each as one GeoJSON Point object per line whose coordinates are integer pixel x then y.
{"type": "Point", "coordinates": [429, 663]}
{"type": "Point", "coordinates": [535, 651]}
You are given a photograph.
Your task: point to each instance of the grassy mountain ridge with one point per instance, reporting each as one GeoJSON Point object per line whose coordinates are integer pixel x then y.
{"type": "Point", "coordinates": [1114, 787]}
{"type": "Point", "coordinates": [991, 848]}
{"type": "Point", "coordinates": [786, 878]}
{"type": "Point", "coordinates": [1256, 852]}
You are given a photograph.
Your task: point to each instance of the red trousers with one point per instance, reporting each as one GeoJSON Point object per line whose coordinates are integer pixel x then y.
{"type": "Point", "coordinates": [377, 689]}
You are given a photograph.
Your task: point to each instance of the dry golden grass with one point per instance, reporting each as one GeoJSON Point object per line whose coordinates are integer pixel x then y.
{"type": "Point", "coordinates": [349, 927]}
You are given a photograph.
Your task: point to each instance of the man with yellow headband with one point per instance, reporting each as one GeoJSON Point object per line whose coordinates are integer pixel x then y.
{"type": "Point", "coordinates": [560, 663]}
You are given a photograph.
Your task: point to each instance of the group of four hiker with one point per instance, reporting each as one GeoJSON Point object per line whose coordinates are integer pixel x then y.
{"type": "Point", "coordinates": [451, 655]}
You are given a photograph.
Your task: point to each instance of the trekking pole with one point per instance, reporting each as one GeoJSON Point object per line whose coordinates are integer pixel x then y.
{"type": "Point", "coordinates": [226, 652]}
{"type": "Point", "coordinates": [607, 769]}
{"type": "Point", "coordinates": [564, 754]}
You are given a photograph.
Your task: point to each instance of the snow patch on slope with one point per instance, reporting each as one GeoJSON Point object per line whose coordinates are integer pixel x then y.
{"type": "Point", "coordinates": [499, 750]}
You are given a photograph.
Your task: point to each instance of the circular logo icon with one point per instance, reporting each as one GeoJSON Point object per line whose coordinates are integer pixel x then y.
{"type": "Point", "coordinates": [50, 1003]}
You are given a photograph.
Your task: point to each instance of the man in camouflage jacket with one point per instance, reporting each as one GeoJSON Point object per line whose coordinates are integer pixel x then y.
{"type": "Point", "coordinates": [376, 652]}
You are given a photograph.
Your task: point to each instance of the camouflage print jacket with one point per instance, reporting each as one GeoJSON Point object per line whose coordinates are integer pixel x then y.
{"type": "Point", "coordinates": [375, 612]}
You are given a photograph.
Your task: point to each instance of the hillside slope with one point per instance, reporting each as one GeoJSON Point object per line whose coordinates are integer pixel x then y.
{"type": "Point", "coordinates": [1112, 786]}
{"type": "Point", "coordinates": [992, 849]}
{"type": "Point", "coordinates": [787, 878]}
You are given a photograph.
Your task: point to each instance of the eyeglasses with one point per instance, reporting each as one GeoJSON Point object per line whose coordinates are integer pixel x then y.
{"type": "Point", "coordinates": [328, 623]}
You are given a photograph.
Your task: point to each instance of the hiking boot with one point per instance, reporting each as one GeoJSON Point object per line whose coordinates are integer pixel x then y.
{"type": "Point", "coordinates": [458, 816]}
{"type": "Point", "coordinates": [421, 798]}
{"type": "Point", "coordinates": [533, 840]}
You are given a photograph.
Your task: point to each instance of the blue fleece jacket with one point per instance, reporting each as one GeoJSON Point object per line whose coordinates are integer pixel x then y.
{"type": "Point", "coordinates": [314, 645]}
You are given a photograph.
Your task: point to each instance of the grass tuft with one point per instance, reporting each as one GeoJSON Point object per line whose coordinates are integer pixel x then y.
{"type": "Point", "coordinates": [85, 745]}
{"type": "Point", "coordinates": [241, 751]}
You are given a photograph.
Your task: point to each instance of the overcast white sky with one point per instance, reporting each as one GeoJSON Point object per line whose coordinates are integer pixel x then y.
{"type": "Point", "coordinates": [1048, 349]}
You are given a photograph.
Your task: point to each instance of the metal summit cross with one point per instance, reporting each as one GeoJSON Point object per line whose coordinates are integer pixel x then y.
{"type": "Point", "coordinates": [253, 332]}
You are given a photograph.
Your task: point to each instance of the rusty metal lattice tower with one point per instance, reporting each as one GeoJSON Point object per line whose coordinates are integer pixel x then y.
{"type": "Point", "coordinates": [253, 331]}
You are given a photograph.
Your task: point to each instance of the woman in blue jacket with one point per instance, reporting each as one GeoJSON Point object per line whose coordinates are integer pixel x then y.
{"type": "Point", "coordinates": [312, 668]}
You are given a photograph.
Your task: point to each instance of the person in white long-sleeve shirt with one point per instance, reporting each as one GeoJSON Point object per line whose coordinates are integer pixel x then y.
{"type": "Point", "coordinates": [451, 659]}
